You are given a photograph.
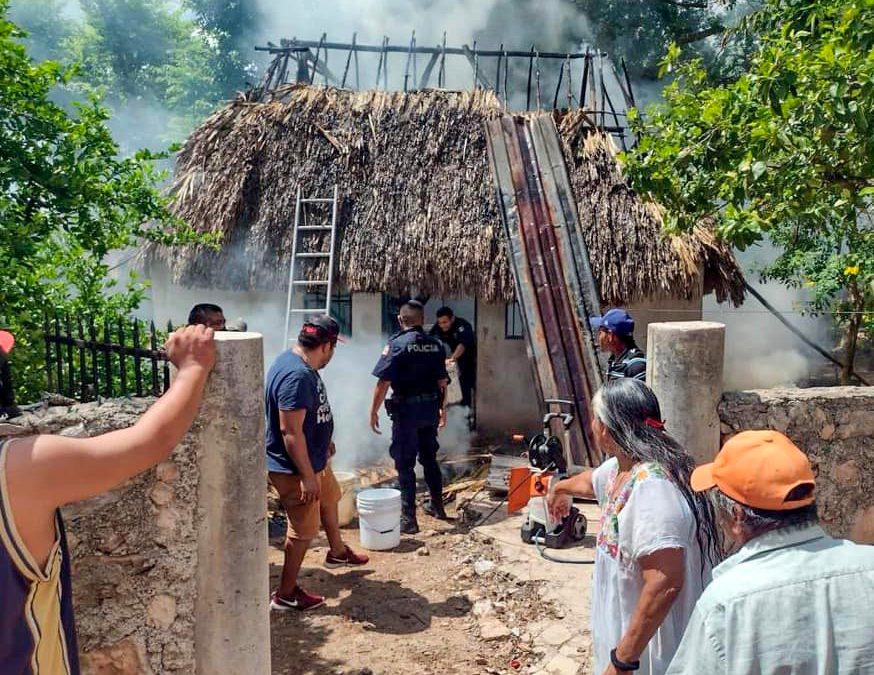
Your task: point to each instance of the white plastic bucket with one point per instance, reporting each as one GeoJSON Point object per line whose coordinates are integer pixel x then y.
{"type": "Point", "coordinates": [379, 517]}
{"type": "Point", "coordinates": [346, 508]}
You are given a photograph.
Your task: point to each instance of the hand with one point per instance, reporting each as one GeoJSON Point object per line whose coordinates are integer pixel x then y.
{"type": "Point", "coordinates": [442, 419]}
{"type": "Point", "coordinates": [374, 422]}
{"type": "Point", "coordinates": [310, 488]}
{"type": "Point", "coordinates": [611, 670]}
{"type": "Point", "coordinates": [557, 504]}
{"type": "Point", "coordinates": [450, 361]}
{"type": "Point", "coordinates": [332, 449]}
{"type": "Point", "coordinates": [192, 347]}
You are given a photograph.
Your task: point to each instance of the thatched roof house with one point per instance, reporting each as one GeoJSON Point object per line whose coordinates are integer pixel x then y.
{"type": "Point", "coordinates": [419, 208]}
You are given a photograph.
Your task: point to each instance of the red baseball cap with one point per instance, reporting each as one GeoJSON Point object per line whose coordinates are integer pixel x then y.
{"type": "Point", "coordinates": [7, 341]}
{"type": "Point", "coordinates": [758, 469]}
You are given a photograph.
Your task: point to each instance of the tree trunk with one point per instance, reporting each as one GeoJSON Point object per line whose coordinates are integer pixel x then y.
{"type": "Point", "coordinates": [857, 305]}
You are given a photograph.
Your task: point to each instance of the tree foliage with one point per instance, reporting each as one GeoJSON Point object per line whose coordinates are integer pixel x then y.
{"type": "Point", "coordinates": [641, 32]}
{"type": "Point", "coordinates": [785, 151]}
{"type": "Point", "coordinates": [67, 200]}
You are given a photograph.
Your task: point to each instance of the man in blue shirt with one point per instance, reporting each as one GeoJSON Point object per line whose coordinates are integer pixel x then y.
{"type": "Point", "coordinates": [300, 425]}
{"type": "Point", "coordinates": [414, 367]}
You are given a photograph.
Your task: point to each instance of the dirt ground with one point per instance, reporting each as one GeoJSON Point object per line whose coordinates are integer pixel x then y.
{"type": "Point", "coordinates": [448, 600]}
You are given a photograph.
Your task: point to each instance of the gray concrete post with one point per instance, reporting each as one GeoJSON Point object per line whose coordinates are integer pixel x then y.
{"type": "Point", "coordinates": [684, 369]}
{"type": "Point", "coordinates": [232, 632]}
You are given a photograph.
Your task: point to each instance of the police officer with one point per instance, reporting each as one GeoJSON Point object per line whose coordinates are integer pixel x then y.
{"type": "Point", "coordinates": [616, 338]}
{"type": "Point", "coordinates": [457, 334]}
{"type": "Point", "coordinates": [413, 366]}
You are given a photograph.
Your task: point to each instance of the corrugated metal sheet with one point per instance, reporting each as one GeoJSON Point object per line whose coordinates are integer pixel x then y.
{"type": "Point", "coordinates": [554, 282]}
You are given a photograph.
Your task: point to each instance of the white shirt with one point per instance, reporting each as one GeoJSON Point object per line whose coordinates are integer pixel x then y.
{"type": "Point", "coordinates": [790, 602]}
{"type": "Point", "coordinates": [649, 515]}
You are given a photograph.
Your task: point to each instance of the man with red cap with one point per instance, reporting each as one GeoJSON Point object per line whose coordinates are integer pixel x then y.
{"type": "Point", "coordinates": [791, 599]}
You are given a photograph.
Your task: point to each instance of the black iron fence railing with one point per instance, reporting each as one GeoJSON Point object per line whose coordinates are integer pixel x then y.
{"type": "Point", "coordinates": [88, 358]}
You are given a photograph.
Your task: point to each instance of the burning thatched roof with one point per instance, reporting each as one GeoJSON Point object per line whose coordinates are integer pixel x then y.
{"type": "Point", "coordinates": [418, 203]}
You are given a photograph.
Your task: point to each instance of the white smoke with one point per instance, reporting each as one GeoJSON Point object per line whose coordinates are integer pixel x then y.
{"type": "Point", "coordinates": [760, 352]}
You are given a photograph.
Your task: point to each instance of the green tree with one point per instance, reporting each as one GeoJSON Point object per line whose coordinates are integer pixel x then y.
{"type": "Point", "coordinates": [641, 32]}
{"type": "Point", "coordinates": [785, 151]}
{"type": "Point", "coordinates": [66, 201]}
{"type": "Point", "coordinates": [232, 25]}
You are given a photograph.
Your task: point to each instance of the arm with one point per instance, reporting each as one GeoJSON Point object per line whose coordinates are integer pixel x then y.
{"type": "Point", "coordinates": [662, 582]}
{"type": "Point", "coordinates": [45, 472]}
{"type": "Point", "coordinates": [291, 426]}
{"type": "Point", "coordinates": [558, 500]}
{"type": "Point", "coordinates": [459, 351]}
{"type": "Point", "coordinates": [379, 393]}
{"type": "Point", "coordinates": [444, 390]}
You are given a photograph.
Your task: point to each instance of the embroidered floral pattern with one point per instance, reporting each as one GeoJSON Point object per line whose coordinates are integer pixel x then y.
{"type": "Point", "coordinates": [608, 533]}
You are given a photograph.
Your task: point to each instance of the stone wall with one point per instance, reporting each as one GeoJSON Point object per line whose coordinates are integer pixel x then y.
{"type": "Point", "coordinates": [134, 551]}
{"type": "Point", "coordinates": [835, 427]}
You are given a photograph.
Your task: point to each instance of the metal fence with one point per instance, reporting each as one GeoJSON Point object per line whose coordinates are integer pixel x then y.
{"type": "Point", "coordinates": [88, 358]}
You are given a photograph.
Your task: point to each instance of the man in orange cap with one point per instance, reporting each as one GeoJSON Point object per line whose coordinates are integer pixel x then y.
{"type": "Point", "coordinates": [791, 599]}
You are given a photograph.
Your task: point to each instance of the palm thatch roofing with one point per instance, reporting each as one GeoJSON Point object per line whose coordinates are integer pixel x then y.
{"type": "Point", "coordinates": [418, 206]}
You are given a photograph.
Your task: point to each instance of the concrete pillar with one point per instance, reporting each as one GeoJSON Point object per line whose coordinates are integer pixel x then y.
{"type": "Point", "coordinates": [684, 368]}
{"type": "Point", "coordinates": [232, 633]}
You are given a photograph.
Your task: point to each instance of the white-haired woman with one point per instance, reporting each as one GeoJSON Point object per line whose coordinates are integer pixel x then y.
{"type": "Point", "coordinates": [657, 538]}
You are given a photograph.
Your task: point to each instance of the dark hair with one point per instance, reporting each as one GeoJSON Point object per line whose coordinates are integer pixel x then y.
{"type": "Point", "coordinates": [759, 521]}
{"type": "Point", "coordinates": [625, 406]}
{"type": "Point", "coordinates": [412, 312]}
{"type": "Point", "coordinates": [445, 311]}
{"type": "Point", "coordinates": [199, 313]}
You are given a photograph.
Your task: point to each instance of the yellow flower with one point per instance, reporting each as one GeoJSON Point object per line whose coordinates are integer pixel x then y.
{"type": "Point", "coordinates": [851, 271]}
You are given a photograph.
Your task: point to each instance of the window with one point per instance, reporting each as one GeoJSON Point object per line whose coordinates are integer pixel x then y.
{"type": "Point", "coordinates": [514, 323]}
{"type": "Point", "coordinates": [341, 307]}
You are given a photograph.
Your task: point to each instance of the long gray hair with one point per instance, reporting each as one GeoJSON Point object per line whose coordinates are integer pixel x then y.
{"type": "Point", "coordinates": [630, 411]}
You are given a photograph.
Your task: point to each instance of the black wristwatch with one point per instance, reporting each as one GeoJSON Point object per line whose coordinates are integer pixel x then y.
{"type": "Point", "coordinates": [624, 666]}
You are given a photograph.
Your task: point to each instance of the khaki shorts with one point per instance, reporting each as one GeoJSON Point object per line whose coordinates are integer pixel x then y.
{"type": "Point", "coordinates": [303, 518]}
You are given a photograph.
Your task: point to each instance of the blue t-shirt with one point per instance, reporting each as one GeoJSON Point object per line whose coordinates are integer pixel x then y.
{"type": "Point", "coordinates": [293, 385]}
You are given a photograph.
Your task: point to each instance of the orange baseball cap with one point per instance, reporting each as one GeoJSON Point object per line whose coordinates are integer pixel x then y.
{"type": "Point", "coordinates": [758, 469]}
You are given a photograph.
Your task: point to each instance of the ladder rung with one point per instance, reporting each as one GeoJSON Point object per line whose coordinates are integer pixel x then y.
{"type": "Point", "coordinates": [312, 255]}
{"type": "Point", "coordinates": [329, 200]}
{"type": "Point", "coordinates": [311, 310]}
{"type": "Point", "coordinates": [311, 228]}
{"type": "Point", "coordinates": [304, 282]}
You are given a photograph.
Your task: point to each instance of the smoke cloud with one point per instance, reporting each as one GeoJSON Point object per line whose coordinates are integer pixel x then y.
{"type": "Point", "coordinates": [760, 352]}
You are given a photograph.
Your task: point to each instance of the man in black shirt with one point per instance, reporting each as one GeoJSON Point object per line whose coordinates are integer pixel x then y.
{"type": "Point", "coordinates": [616, 337]}
{"type": "Point", "coordinates": [459, 336]}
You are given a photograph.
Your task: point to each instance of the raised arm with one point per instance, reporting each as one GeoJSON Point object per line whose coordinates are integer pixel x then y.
{"type": "Point", "coordinates": [561, 493]}
{"type": "Point", "coordinates": [45, 472]}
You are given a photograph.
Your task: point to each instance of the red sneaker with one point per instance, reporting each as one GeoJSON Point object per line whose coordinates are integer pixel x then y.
{"type": "Point", "coordinates": [300, 600]}
{"type": "Point", "coordinates": [349, 559]}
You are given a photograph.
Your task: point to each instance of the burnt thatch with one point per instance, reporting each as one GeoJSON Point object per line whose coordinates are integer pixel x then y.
{"type": "Point", "coordinates": [418, 203]}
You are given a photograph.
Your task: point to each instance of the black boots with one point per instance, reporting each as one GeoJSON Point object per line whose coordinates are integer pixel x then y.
{"type": "Point", "coordinates": [435, 509]}
{"type": "Point", "coordinates": [409, 525]}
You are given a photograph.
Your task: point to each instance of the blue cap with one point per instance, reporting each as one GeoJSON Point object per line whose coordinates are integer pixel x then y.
{"type": "Point", "coordinates": [616, 321]}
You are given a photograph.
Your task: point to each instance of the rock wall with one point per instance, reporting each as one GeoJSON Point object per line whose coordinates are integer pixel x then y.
{"type": "Point", "coordinates": [835, 427]}
{"type": "Point", "coordinates": [134, 551]}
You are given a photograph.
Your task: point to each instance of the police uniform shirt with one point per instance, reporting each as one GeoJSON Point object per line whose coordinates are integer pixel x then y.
{"type": "Point", "coordinates": [630, 363]}
{"type": "Point", "coordinates": [413, 362]}
{"type": "Point", "coordinates": [461, 333]}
